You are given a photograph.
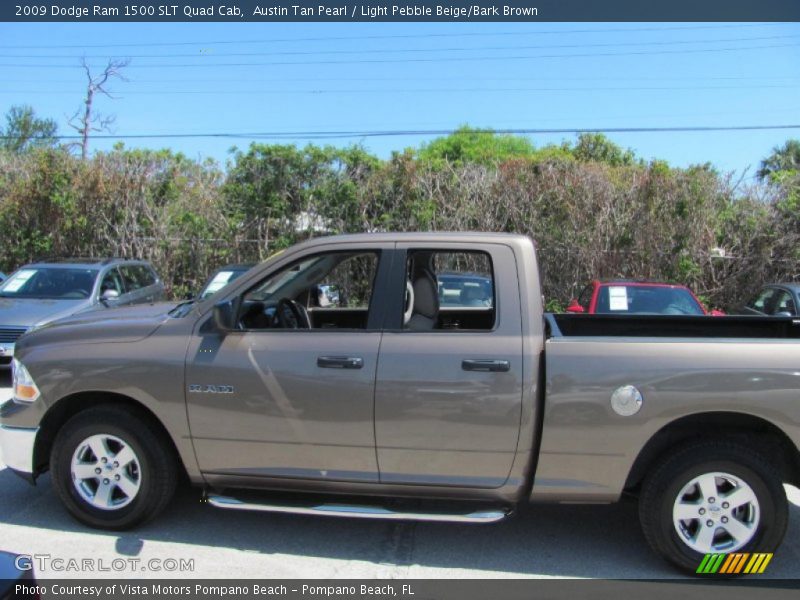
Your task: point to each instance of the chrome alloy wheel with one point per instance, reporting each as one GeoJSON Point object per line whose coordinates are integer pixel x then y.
{"type": "Point", "coordinates": [716, 512]}
{"type": "Point", "coordinates": [106, 472]}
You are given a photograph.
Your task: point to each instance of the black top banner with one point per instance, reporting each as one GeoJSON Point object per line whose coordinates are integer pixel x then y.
{"type": "Point", "coordinates": [381, 10]}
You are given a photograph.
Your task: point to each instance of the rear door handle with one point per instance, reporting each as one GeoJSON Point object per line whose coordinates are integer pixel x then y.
{"type": "Point", "coordinates": [340, 362]}
{"type": "Point", "coordinates": [486, 365]}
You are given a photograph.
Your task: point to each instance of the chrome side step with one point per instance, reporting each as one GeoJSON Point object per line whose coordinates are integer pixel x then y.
{"type": "Point", "coordinates": [360, 512]}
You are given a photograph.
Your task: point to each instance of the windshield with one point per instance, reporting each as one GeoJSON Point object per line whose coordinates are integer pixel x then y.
{"type": "Point", "coordinates": [647, 299]}
{"type": "Point", "coordinates": [52, 283]}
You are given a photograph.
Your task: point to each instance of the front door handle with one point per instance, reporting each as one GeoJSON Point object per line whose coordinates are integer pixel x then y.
{"type": "Point", "coordinates": [486, 365]}
{"type": "Point", "coordinates": [340, 362]}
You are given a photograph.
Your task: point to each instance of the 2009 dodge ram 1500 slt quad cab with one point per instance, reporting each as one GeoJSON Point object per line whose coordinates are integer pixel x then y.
{"type": "Point", "coordinates": [346, 367]}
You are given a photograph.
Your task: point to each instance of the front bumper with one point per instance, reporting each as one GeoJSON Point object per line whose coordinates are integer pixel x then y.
{"type": "Point", "coordinates": [16, 448]}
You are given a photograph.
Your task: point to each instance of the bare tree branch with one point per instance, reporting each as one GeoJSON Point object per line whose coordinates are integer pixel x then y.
{"type": "Point", "coordinates": [89, 121]}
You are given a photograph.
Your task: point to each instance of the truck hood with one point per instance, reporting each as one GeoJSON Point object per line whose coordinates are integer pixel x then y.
{"type": "Point", "coordinates": [124, 324]}
{"type": "Point", "coordinates": [28, 312]}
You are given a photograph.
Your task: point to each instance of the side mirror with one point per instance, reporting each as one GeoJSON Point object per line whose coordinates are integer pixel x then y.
{"type": "Point", "coordinates": [574, 307]}
{"type": "Point", "coordinates": [225, 315]}
{"type": "Point", "coordinates": [189, 296]}
{"type": "Point", "coordinates": [109, 296]}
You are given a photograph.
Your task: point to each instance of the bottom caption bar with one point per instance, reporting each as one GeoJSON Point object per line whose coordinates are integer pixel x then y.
{"type": "Point", "coordinates": [417, 589]}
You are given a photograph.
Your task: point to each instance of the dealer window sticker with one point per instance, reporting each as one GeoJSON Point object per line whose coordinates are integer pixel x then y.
{"type": "Point", "coordinates": [617, 298]}
{"type": "Point", "coordinates": [19, 279]}
{"type": "Point", "coordinates": [220, 281]}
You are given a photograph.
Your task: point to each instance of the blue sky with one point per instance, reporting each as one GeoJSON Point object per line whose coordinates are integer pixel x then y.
{"type": "Point", "coordinates": [392, 76]}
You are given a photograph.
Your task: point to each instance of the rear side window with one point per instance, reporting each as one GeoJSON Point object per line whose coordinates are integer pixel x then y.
{"type": "Point", "coordinates": [148, 277]}
{"type": "Point", "coordinates": [449, 291]}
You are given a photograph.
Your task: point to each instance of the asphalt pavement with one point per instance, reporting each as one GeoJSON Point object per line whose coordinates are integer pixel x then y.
{"type": "Point", "coordinates": [539, 542]}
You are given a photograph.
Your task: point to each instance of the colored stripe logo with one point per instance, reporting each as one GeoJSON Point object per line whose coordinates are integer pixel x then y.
{"type": "Point", "coordinates": [734, 563]}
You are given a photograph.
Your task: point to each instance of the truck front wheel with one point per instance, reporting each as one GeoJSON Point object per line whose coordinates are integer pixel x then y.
{"type": "Point", "coordinates": [110, 469]}
{"type": "Point", "coordinates": [712, 497]}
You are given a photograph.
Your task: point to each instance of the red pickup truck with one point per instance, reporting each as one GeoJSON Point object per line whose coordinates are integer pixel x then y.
{"type": "Point", "coordinates": [638, 297]}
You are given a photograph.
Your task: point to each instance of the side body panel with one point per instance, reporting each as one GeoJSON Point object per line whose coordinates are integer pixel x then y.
{"type": "Point", "coordinates": [147, 370]}
{"type": "Point", "coordinates": [286, 416]}
{"type": "Point", "coordinates": [436, 423]}
{"type": "Point", "coordinates": [327, 427]}
{"type": "Point", "coordinates": [587, 449]}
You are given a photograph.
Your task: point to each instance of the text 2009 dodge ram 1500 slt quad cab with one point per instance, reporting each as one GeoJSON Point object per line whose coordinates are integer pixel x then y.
{"type": "Point", "coordinates": [385, 391]}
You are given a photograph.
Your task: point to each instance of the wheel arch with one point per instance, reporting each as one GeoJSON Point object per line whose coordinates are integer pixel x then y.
{"type": "Point", "coordinates": [66, 408]}
{"type": "Point", "coordinates": [747, 428]}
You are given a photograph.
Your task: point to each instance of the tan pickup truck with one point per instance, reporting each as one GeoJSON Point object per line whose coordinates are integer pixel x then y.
{"type": "Point", "coordinates": [414, 376]}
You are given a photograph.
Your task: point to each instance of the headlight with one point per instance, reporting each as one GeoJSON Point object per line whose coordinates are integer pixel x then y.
{"type": "Point", "coordinates": [25, 389]}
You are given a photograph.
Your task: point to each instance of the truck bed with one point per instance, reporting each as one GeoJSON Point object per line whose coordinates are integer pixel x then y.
{"type": "Point", "coordinates": [736, 367]}
{"type": "Point", "coordinates": [653, 326]}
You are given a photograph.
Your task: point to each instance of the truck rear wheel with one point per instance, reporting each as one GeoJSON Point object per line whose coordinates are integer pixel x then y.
{"type": "Point", "coordinates": [712, 497]}
{"type": "Point", "coordinates": [110, 469]}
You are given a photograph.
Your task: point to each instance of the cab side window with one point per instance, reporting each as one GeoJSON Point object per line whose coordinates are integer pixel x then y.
{"type": "Point", "coordinates": [449, 291]}
{"type": "Point", "coordinates": [349, 285]}
{"type": "Point", "coordinates": [783, 304]}
{"type": "Point", "coordinates": [112, 281]}
{"type": "Point", "coordinates": [325, 291]}
{"type": "Point", "coordinates": [762, 302]}
{"type": "Point", "coordinates": [137, 277]}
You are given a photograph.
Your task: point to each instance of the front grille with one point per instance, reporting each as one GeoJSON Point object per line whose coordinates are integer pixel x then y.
{"type": "Point", "coordinates": [5, 361]}
{"type": "Point", "coordinates": [9, 335]}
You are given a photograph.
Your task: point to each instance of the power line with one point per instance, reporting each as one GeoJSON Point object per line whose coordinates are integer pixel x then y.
{"type": "Point", "coordinates": [417, 50]}
{"type": "Point", "coordinates": [206, 43]}
{"type": "Point", "coordinates": [428, 132]}
{"type": "Point", "coordinates": [407, 90]}
{"type": "Point", "coordinates": [218, 80]}
{"type": "Point", "coordinates": [424, 60]}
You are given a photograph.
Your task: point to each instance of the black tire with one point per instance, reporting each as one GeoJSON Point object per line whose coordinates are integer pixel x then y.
{"type": "Point", "coordinates": [662, 487]}
{"type": "Point", "coordinates": [158, 470]}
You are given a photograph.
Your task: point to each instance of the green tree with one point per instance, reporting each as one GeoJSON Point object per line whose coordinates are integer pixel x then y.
{"type": "Point", "coordinates": [279, 193]}
{"type": "Point", "coordinates": [24, 131]}
{"type": "Point", "coordinates": [468, 145]}
{"type": "Point", "coordinates": [783, 158]}
{"type": "Point", "coordinates": [596, 147]}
